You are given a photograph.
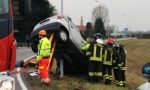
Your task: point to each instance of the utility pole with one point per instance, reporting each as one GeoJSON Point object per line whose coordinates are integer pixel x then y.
{"type": "Point", "coordinates": [61, 6]}
{"type": "Point", "coordinates": [81, 23]}
{"type": "Point", "coordinates": [61, 59]}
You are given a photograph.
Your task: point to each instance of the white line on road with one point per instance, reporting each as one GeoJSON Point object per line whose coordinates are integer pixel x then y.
{"type": "Point", "coordinates": [23, 86]}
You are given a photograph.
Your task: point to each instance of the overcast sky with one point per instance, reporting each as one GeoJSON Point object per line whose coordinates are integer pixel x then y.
{"type": "Point", "coordinates": [133, 14]}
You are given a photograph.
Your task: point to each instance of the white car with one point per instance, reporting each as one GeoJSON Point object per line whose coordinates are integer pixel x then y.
{"type": "Point", "coordinates": [68, 38]}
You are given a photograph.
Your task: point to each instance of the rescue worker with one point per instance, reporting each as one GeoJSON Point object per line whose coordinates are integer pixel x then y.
{"type": "Point", "coordinates": [42, 57]}
{"type": "Point", "coordinates": [146, 75]}
{"type": "Point", "coordinates": [107, 62]}
{"type": "Point", "coordinates": [119, 65]}
{"type": "Point", "coordinates": [87, 44]}
{"type": "Point", "coordinates": [95, 53]}
{"type": "Point", "coordinates": [85, 48]}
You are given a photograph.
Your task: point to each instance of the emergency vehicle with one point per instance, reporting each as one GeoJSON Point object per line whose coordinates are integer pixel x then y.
{"type": "Point", "coordinates": [7, 44]}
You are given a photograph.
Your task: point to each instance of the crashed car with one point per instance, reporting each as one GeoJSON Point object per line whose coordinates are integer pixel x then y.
{"type": "Point", "coordinates": [69, 41]}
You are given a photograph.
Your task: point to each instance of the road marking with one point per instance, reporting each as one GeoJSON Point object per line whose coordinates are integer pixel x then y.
{"type": "Point", "coordinates": [23, 86]}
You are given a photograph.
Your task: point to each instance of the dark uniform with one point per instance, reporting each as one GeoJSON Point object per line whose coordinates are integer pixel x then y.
{"type": "Point", "coordinates": [95, 52]}
{"type": "Point", "coordinates": [119, 65]}
{"type": "Point", "coordinates": [107, 63]}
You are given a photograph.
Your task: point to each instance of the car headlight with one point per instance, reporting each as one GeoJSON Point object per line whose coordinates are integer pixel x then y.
{"type": "Point", "coordinates": [6, 85]}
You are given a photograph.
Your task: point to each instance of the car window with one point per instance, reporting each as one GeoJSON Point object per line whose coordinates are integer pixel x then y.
{"type": "Point", "coordinates": [4, 6]}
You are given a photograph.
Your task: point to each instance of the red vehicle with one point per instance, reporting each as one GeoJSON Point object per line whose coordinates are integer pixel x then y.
{"type": "Point", "coordinates": [7, 40]}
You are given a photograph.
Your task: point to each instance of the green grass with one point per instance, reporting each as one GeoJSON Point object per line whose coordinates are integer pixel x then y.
{"type": "Point", "coordinates": [138, 53]}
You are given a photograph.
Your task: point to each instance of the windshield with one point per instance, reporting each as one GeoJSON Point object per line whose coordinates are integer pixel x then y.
{"type": "Point", "coordinates": [4, 6]}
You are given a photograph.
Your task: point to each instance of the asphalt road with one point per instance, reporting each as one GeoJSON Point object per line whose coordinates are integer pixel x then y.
{"type": "Point", "coordinates": [22, 54]}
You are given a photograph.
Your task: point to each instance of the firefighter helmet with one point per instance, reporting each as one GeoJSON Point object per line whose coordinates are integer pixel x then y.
{"type": "Point", "coordinates": [97, 35]}
{"type": "Point", "coordinates": [110, 40]}
{"type": "Point", "coordinates": [42, 32]}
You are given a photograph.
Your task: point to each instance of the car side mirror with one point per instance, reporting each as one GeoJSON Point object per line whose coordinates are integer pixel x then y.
{"type": "Point", "coordinates": [146, 70]}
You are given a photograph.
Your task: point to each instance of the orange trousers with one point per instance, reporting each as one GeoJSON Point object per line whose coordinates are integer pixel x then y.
{"type": "Point", "coordinates": [44, 68]}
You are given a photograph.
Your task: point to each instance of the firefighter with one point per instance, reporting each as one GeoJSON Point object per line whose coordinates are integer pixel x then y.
{"type": "Point", "coordinates": [107, 62]}
{"type": "Point", "coordinates": [95, 52]}
{"type": "Point", "coordinates": [42, 57]}
{"type": "Point", "coordinates": [119, 65]}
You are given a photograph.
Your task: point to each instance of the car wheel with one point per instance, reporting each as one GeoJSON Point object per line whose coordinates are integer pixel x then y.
{"type": "Point", "coordinates": [63, 36]}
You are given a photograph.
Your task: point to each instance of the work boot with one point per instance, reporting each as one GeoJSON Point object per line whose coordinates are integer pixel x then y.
{"type": "Point", "coordinates": [91, 79]}
{"type": "Point", "coordinates": [46, 81]}
{"type": "Point", "coordinates": [124, 85]}
{"type": "Point", "coordinates": [95, 80]}
{"type": "Point", "coordinates": [120, 84]}
{"type": "Point", "coordinates": [109, 82]}
{"type": "Point", "coordinates": [106, 82]}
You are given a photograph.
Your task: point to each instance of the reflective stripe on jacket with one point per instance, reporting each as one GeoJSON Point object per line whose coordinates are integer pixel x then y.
{"type": "Point", "coordinates": [108, 55]}
{"type": "Point", "coordinates": [119, 58]}
{"type": "Point", "coordinates": [44, 47]}
{"type": "Point", "coordinates": [95, 51]}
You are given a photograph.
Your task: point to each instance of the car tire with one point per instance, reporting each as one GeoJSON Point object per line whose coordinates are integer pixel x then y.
{"type": "Point", "coordinates": [63, 36]}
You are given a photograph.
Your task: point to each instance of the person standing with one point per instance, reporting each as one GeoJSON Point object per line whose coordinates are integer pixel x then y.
{"type": "Point", "coordinates": [123, 65]}
{"type": "Point", "coordinates": [119, 65]}
{"type": "Point", "coordinates": [87, 44]}
{"type": "Point", "coordinates": [95, 52]}
{"type": "Point", "coordinates": [107, 63]}
{"type": "Point", "coordinates": [42, 57]}
{"type": "Point", "coordinates": [85, 49]}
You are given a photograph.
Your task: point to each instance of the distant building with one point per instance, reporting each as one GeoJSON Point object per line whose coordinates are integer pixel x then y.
{"type": "Point", "coordinates": [81, 28]}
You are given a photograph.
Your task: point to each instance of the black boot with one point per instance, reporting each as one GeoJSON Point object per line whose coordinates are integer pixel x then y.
{"type": "Point", "coordinates": [90, 79]}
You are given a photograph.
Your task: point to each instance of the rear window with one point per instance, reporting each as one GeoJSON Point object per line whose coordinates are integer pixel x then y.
{"type": "Point", "coordinates": [4, 6]}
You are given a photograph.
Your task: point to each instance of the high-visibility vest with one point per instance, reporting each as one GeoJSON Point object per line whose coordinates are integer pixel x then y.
{"type": "Point", "coordinates": [95, 51]}
{"type": "Point", "coordinates": [108, 55]}
{"type": "Point", "coordinates": [44, 47]}
{"type": "Point", "coordinates": [85, 47]}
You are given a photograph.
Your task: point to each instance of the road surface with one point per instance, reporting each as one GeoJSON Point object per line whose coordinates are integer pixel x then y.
{"type": "Point", "coordinates": [21, 83]}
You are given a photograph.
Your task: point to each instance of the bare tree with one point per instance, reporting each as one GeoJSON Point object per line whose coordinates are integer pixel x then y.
{"type": "Point", "coordinates": [110, 28]}
{"type": "Point", "coordinates": [101, 11]}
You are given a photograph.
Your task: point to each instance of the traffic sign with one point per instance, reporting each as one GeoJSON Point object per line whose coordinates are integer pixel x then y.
{"type": "Point", "coordinates": [126, 29]}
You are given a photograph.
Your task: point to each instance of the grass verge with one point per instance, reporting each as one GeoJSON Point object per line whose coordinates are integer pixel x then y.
{"type": "Point", "coordinates": [138, 53]}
